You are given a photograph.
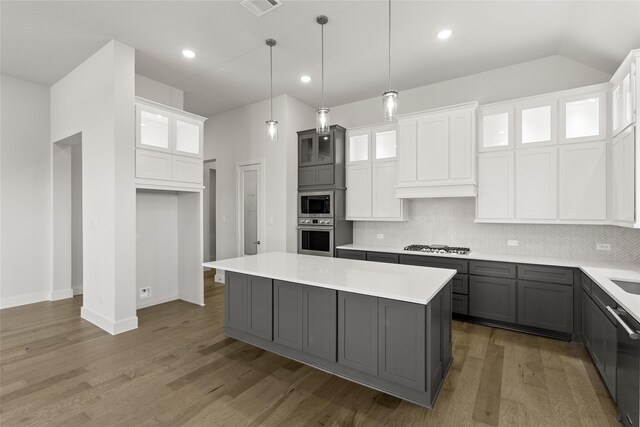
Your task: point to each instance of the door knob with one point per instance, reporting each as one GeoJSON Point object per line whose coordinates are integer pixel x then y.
{"type": "Point", "coordinates": [257, 243]}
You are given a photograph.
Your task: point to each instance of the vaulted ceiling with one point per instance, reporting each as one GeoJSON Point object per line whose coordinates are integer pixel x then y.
{"type": "Point", "coordinates": [43, 41]}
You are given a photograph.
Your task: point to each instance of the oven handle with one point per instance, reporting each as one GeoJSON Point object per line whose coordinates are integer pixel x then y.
{"type": "Point", "coordinates": [633, 335]}
{"type": "Point", "coordinates": [317, 227]}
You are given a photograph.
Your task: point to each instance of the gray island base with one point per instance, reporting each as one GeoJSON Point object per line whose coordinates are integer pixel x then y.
{"type": "Point", "coordinates": [397, 347]}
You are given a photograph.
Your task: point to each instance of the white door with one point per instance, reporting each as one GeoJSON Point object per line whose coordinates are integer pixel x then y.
{"type": "Point", "coordinates": [250, 209]}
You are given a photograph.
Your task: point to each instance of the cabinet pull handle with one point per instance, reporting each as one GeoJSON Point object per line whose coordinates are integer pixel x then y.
{"type": "Point", "coordinates": [633, 335]}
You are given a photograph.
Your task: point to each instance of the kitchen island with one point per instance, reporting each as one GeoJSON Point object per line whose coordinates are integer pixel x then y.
{"type": "Point", "coordinates": [385, 326]}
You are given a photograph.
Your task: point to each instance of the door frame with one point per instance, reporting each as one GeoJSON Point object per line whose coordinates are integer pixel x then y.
{"type": "Point", "coordinates": [260, 166]}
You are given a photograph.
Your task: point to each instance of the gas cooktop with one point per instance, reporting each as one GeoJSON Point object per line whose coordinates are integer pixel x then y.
{"type": "Point", "coordinates": [438, 249]}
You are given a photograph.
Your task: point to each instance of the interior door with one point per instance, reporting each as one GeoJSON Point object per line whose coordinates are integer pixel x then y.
{"type": "Point", "coordinates": [250, 209]}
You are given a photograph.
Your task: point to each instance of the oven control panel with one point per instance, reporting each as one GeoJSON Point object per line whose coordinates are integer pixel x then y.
{"type": "Point", "coordinates": [315, 221]}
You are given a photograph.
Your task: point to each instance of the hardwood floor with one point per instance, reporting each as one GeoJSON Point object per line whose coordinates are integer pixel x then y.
{"type": "Point", "coordinates": [178, 368]}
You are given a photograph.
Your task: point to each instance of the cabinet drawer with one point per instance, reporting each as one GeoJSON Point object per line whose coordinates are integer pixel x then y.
{"type": "Point", "coordinates": [460, 284]}
{"type": "Point", "coordinates": [153, 165]}
{"type": "Point", "coordinates": [460, 304]}
{"type": "Point", "coordinates": [542, 273]}
{"type": "Point", "coordinates": [493, 269]}
{"type": "Point", "coordinates": [348, 254]}
{"type": "Point", "coordinates": [545, 305]}
{"type": "Point", "coordinates": [186, 169]}
{"type": "Point", "coordinates": [462, 266]}
{"type": "Point", "coordinates": [492, 298]}
{"type": "Point", "coordinates": [380, 257]}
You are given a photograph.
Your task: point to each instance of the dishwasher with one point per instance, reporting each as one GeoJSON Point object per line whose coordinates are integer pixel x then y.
{"type": "Point", "coordinates": [628, 369]}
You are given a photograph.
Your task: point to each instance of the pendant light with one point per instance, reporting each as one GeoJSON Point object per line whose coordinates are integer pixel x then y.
{"type": "Point", "coordinates": [272, 125]}
{"type": "Point", "coordinates": [322, 114]}
{"type": "Point", "coordinates": [390, 97]}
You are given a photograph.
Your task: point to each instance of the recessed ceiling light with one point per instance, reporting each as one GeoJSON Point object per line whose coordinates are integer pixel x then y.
{"type": "Point", "coordinates": [305, 79]}
{"type": "Point", "coordinates": [444, 34]}
{"type": "Point", "coordinates": [189, 53]}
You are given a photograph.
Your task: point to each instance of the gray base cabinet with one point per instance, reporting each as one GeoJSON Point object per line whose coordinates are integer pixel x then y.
{"type": "Point", "coordinates": [545, 305]}
{"type": "Point", "coordinates": [397, 347]}
{"type": "Point", "coordinates": [492, 298]}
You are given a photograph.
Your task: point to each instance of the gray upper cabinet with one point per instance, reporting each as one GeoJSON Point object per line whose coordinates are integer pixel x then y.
{"type": "Point", "coordinates": [287, 319]}
{"type": "Point", "coordinates": [319, 325]}
{"type": "Point", "coordinates": [321, 159]}
{"type": "Point", "coordinates": [401, 349]}
{"type": "Point", "coordinates": [260, 307]}
{"type": "Point", "coordinates": [545, 305]}
{"type": "Point", "coordinates": [307, 146]}
{"type": "Point", "coordinates": [236, 293]}
{"type": "Point", "coordinates": [492, 298]}
{"type": "Point", "coordinates": [358, 332]}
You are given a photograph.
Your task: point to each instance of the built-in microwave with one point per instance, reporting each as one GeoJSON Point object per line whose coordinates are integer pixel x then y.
{"type": "Point", "coordinates": [315, 204]}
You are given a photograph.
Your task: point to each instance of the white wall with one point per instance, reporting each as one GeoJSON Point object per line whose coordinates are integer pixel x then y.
{"type": "Point", "coordinates": [239, 135]}
{"type": "Point", "coordinates": [542, 75]}
{"type": "Point", "coordinates": [97, 99]}
{"type": "Point", "coordinates": [25, 193]}
{"type": "Point", "coordinates": [159, 92]}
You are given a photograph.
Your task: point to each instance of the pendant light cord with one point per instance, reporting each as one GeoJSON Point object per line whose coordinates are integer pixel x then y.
{"type": "Point", "coordinates": [389, 44]}
{"type": "Point", "coordinates": [322, 60]}
{"type": "Point", "coordinates": [271, 74]}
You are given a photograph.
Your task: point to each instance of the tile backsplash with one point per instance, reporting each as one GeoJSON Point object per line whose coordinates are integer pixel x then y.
{"type": "Point", "coordinates": [450, 221]}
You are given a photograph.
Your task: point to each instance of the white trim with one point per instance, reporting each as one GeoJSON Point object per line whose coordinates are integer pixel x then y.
{"type": "Point", "coordinates": [437, 191]}
{"type": "Point", "coordinates": [145, 303]}
{"type": "Point", "coordinates": [60, 294]}
{"type": "Point", "coordinates": [108, 325]}
{"type": "Point", "coordinates": [77, 290]}
{"type": "Point", "coordinates": [219, 276]}
{"type": "Point", "coordinates": [23, 299]}
{"type": "Point", "coordinates": [262, 191]}
{"type": "Point", "coordinates": [445, 109]}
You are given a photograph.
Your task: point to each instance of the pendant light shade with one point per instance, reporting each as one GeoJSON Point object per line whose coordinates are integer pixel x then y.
{"type": "Point", "coordinates": [272, 125]}
{"type": "Point", "coordinates": [323, 117]}
{"type": "Point", "coordinates": [390, 97]}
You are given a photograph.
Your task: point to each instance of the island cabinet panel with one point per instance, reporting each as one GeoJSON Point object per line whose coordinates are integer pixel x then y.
{"type": "Point", "coordinates": [358, 332]}
{"type": "Point", "coordinates": [236, 295]}
{"type": "Point", "coordinates": [319, 322]}
{"type": "Point", "coordinates": [401, 337]}
{"type": "Point", "coordinates": [348, 254]}
{"type": "Point", "coordinates": [545, 305]}
{"type": "Point", "coordinates": [439, 330]}
{"type": "Point", "coordinates": [492, 298]}
{"type": "Point", "coordinates": [287, 319]}
{"type": "Point", "coordinates": [381, 257]}
{"type": "Point", "coordinates": [260, 295]}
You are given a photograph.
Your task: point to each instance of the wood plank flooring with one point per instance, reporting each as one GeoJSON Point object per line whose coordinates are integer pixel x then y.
{"type": "Point", "coordinates": [178, 368]}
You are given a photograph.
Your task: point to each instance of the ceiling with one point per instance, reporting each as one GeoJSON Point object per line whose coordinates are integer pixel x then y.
{"type": "Point", "coordinates": [43, 41]}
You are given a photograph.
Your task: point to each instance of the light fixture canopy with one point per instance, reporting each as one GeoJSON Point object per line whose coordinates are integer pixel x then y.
{"type": "Point", "coordinates": [272, 125]}
{"type": "Point", "coordinates": [390, 97]}
{"type": "Point", "coordinates": [323, 115]}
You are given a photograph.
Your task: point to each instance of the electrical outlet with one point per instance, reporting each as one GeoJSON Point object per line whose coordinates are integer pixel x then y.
{"type": "Point", "coordinates": [380, 236]}
{"type": "Point", "coordinates": [603, 247]}
{"type": "Point", "coordinates": [145, 292]}
{"type": "Point", "coordinates": [513, 243]}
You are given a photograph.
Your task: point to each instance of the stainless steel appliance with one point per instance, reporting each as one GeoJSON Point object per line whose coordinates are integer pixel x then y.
{"type": "Point", "coordinates": [438, 249]}
{"type": "Point", "coordinates": [316, 237]}
{"type": "Point", "coordinates": [628, 368]}
{"type": "Point", "coordinates": [316, 204]}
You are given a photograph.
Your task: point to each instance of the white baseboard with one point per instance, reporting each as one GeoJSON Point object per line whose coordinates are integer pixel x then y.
{"type": "Point", "coordinates": [150, 302]}
{"type": "Point", "coordinates": [60, 294]}
{"type": "Point", "coordinates": [109, 325]}
{"type": "Point", "coordinates": [24, 299]}
{"type": "Point", "coordinates": [77, 290]}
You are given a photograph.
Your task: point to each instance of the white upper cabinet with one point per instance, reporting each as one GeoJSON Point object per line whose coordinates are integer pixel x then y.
{"type": "Point", "coordinates": [153, 128]}
{"type": "Point", "coordinates": [623, 178]}
{"type": "Point", "coordinates": [496, 128]}
{"type": "Point", "coordinates": [188, 137]}
{"type": "Point", "coordinates": [624, 87]}
{"type": "Point", "coordinates": [495, 186]}
{"type": "Point", "coordinates": [372, 174]}
{"type": "Point", "coordinates": [537, 183]}
{"type": "Point", "coordinates": [437, 153]}
{"type": "Point", "coordinates": [582, 117]}
{"type": "Point", "coordinates": [536, 123]}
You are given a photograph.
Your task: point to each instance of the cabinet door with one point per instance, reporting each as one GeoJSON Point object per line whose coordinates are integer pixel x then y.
{"type": "Point", "coordinates": [385, 204]}
{"type": "Point", "coordinates": [492, 298]}
{"type": "Point", "coordinates": [460, 304]}
{"type": "Point", "coordinates": [358, 146]}
{"type": "Point", "coordinates": [358, 332]}
{"type": "Point", "coordinates": [432, 153]}
{"type": "Point", "coordinates": [319, 322]}
{"type": "Point", "coordinates": [622, 103]}
{"type": "Point", "coordinates": [623, 171]}
{"type": "Point", "coordinates": [384, 144]}
{"type": "Point", "coordinates": [536, 124]}
{"type": "Point", "coordinates": [153, 128]}
{"type": "Point", "coordinates": [460, 284]}
{"type": "Point", "coordinates": [287, 314]}
{"type": "Point", "coordinates": [188, 134]}
{"type": "Point", "coordinates": [496, 129]}
{"type": "Point", "coordinates": [495, 186]}
{"type": "Point", "coordinates": [603, 347]}
{"type": "Point", "coordinates": [306, 149]}
{"type": "Point", "coordinates": [537, 183]}
{"type": "Point", "coordinates": [461, 145]}
{"type": "Point", "coordinates": [152, 164]}
{"type": "Point", "coordinates": [401, 343]}
{"type": "Point", "coordinates": [324, 175]}
{"type": "Point", "coordinates": [358, 194]}
{"type": "Point", "coordinates": [583, 181]}
{"type": "Point", "coordinates": [324, 149]}
{"type": "Point", "coordinates": [186, 169]}
{"type": "Point", "coordinates": [307, 176]}
{"type": "Point", "coordinates": [407, 140]}
{"type": "Point", "coordinates": [582, 118]}
{"type": "Point", "coordinates": [260, 295]}
{"type": "Point", "coordinates": [545, 305]}
{"type": "Point", "coordinates": [236, 292]}
{"type": "Point", "coordinates": [586, 320]}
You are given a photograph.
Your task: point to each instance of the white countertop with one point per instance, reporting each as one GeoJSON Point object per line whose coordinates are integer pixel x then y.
{"type": "Point", "coordinates": [393, 281]}
{"type": "Point", "coordinates": [600, 272]}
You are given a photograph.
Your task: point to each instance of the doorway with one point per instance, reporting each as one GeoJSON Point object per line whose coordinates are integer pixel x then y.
{"type": "Point", "coordinates": [209, 210]}
{"type": "Point", "coordinates": [250, 208]}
